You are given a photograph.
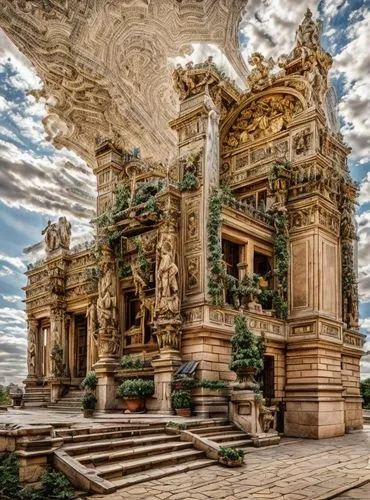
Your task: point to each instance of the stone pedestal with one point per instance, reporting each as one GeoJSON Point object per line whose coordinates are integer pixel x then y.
{"type": "Point", "coordinates": [56, 388]}
{"type": "Point", "coordinates": [106, 391]}
{"type": "Point", "coordinates": [164, 369]}
{"type": "Point", "coordinates": [244, 412]}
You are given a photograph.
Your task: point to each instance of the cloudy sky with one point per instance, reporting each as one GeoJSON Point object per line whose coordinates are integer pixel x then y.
{"type": "Point", "coordinates": [38, 183]}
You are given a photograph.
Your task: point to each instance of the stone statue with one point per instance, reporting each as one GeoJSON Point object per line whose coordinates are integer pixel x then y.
{"type": "Point", "coordinates": [92, 321]}
{"type": "Point", "coordinates": [259, 77]}
{"type": "Point", "coordinates": [57, 234]}
{"type": "Point", "coordinates": [31, 350]}
{"type": "Point", "coordinates": [108, 338]}
{"type": "Point", "coordinates": [64, 227]}
{"type": "Point", "coordinates": [106, 303]}
{"type": "Point", "coordinates": [167, 303]}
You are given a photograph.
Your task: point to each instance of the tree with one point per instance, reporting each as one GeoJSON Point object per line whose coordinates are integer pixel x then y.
{"type": "Point", "coordinates": [365, 392]}
{"type": "Point", "coordinates": [4, 396]}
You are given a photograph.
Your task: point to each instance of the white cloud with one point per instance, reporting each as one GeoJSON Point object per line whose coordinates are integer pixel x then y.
{"type": "Point", "coordinates": [11, 298]}
{"type": "Point", "coordinates": [13, 261]}
{"type": "Point", "coordinates": [352, 64]}
{"type": "Point", "coordinates": [5, 271]}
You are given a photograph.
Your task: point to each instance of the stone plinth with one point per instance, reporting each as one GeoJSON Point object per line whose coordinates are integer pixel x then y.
{"type": "Point", "coordinates": [164, 369]}
{"type": "Point", "coordinates": [244, 411]}
{"type": "Point", "coordinates": [106, 390]}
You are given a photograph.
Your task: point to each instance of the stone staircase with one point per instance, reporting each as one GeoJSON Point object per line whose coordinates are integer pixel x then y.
{"type": "Point", "coordinates": [36, 396]}
{"type": "Point", "coordinates": [227, 435]}
{"type": "Point", "coordinates": [105, 458]}
{"type": "Point", "coordinates": [69, 403]}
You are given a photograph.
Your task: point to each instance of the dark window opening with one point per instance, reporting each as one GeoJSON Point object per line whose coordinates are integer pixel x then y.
{"type": "Point", "coordinates": [266, 379]}
{"type": "Point", "coordinates": [231, 256]}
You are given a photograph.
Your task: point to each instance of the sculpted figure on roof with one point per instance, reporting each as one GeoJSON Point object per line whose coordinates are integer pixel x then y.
{"type": "Point", "coordinates": [259, 77]}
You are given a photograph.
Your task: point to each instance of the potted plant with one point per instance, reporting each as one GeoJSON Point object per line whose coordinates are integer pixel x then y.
{"type": "Point", "coordinates": [88, 404]}
{"type": "Point", "coordinates": [182, 403]}
{"type": "Point", "coordinates": [231, 457]}
{"type": "Point", "coordinates": [134, 391]}
{"type": "Point", "coordinates": [246, 354]}
{"type": "Point", "coordinates": [90, 382]}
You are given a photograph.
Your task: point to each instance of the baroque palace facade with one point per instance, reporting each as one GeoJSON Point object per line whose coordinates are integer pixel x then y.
{"type": "Point", "coordinates": [255, 215]}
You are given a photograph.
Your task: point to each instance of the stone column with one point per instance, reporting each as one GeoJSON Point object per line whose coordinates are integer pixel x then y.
{"type": "Point", "coordinates": [314, 387]}
{"type": "Point", "coordinates": [167, 311]}
{"type": "Point", "coordinates": [108, 336]}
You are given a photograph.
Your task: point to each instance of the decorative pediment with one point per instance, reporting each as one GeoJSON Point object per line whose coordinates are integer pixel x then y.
{"type": "Point", "coordinates": [261, 117]}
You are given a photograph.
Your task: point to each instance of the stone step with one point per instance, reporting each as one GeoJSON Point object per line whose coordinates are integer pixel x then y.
{"type": "Point", "coordinates": [237, 444]}
{"type": "Point", "coordinates": [110, 471]}
{"type": "Point", "coordinates": [63, 402]}
{"type": "Point", "coordinates": [211, 429]}
{"type": "Point", "coordinates": [225, 437]}
{"type": "Point", "coordinates": [64, 409]}
{"type": "Point", "coordinates": [112, 435]}
{"type": "Point", "coordinates": [93, 460]}
{"type": "Point", "coordinates": [90, 447]}
{"type": "Point", "coordinates": [150, 475]}
{"type": "Point", "coordinates": [88, 429]}
{"type": "Point", "coordinates": [34, 397]}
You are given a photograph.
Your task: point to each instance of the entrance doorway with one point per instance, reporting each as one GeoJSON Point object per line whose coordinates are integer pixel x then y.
{"type": "Point", "coordinates": [81, 344]}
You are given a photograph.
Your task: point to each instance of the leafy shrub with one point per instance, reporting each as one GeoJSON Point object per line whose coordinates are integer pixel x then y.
{"type": "Point", "coordinates": [190, 383]}
{"type": "Point", "coordinates": [189, 182]}
{"type": "Point", "coordinates": [233, 454]}
{"type": "Point", "coordinates": [181, 399]}
{"type": "Point", "coordinates": [245, 350]}
{"type": "Point", "coordinates": [90, 381]}
{"type": "Point", "coordinates": [89, 401]}
{"type": "Point", "coordinates": [56, 485]}
{"type": "Point", "coordinates": [134, 363]}
{"type": "Point", "coordinates": [365, 391]}
{"type": "Point", "coordinates": [136, 387]}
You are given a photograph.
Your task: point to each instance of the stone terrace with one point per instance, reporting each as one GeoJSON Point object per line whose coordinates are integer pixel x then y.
{"type": "Point", "coordinates": [295, 470]}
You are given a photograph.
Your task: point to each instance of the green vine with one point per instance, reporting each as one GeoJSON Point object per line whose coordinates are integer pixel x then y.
{"type": "Point", "coordinates": [189, 182]}
{"type": "Point", "coordinates": [142, 260]}
{"type": "Point", "coordinates": [215, 281]}
{"type": "Point", "coordinates": [279, 220]}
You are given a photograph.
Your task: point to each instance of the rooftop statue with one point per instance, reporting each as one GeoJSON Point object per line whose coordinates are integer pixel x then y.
{"type": "Point", "coordinates": [259, 77]}
{"type": "Point", "coordinates": [57, 235]}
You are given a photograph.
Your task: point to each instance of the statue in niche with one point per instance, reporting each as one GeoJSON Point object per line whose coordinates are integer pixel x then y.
{"type": "Point", "coordinates": [92, 322]}
{"type": "Point", "coordinates": [167, 300]}
{"type": "Point", "coordinates": [57, 234]}
{"type": "Point", "coordinates": [259, 77]}
{"type": "Point", "coordinates": [31, 350]}
{"type": "Point", "coordinates": [106, 303]}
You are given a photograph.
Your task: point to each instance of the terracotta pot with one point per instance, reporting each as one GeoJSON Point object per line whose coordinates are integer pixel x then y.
{"type": "Point", "coordinates": [134, 404]}
{"type": "Point", "coordinates": [230, 463]}
{"type": "Point", "coordinates": [88, 413]}
{"type": "Point", "coordinates": [183, 412]}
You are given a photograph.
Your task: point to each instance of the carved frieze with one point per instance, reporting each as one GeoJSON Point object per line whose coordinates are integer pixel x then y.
{"type": "Point", "coordinates": [302, 142]}
{"type": "Point", "coordinates": [193, 314]}
{"type": "Point", "coordinates": [262, 118]}
{"type": "Point", "coordinates": [192, 277]}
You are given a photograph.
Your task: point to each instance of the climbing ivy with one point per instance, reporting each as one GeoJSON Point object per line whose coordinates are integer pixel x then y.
{"type": "Point", "coordinates": [216, 270]}
{"type": "Point", "coordinates": [142, 260]}
{"type": "Point", "coordinates": [189, 182]}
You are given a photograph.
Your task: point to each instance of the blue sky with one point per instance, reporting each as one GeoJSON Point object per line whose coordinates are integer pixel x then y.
{"type": "Point", "coordinates": [38, 182]}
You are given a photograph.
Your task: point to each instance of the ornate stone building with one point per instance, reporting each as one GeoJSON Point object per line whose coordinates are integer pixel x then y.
{"type": "Point", "coordinates": [254, 214]}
